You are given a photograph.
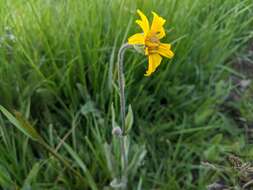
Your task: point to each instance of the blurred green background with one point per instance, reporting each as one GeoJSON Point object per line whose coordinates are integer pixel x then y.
{"type": "Point", "coordinates": [58, 68]}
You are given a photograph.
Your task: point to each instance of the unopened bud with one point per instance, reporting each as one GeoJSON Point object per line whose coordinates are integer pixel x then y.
{"type": "Point", "coordinates": [117, 131]}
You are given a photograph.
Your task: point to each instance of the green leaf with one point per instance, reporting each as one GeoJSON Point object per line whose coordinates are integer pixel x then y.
{"type": "Point", "coordinates": [31, 177]}
{"type": "Point", "coordinates": [217, 139]}
{"type": "Point", "coordinates": [89, 177]}
{"type": "Point", "coordinates": [129, 119]}
{"type": "Point", "coordinates": [203, 115]}
{"type": "Point", "coordinates": [5, 180]}
{"type": "Point", "coordinates": [211, 154]}
{"type": "Point", "coordinates": [138, 157]}
{"type": "Point", "coordinates": [89, 107]}
{"type": "Point", "coordinates": [21, 123]}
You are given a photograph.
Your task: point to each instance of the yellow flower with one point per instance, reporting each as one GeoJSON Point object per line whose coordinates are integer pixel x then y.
{"type": "Point", "coordinates": [150, 38]}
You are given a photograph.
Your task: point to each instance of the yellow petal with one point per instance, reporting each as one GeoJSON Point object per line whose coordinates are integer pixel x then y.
{"type": "Point", "coordinates": [136, 39]}
{"type": "Point", "coordinates": [161, 33]}
{"type": "Point", "coordinates": [157, 26]}
{"type": "Point", "coordinates": [143, 23]}
{"type": "Point", "coordinates": [154, 61]}
{"type": "Point", "coordinates": [164, 50]}
{"type": "Point", "coordinates": [146, 51]}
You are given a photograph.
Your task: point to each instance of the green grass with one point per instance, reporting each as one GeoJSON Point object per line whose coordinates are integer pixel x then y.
{"type": "Point", "coordinates": [58, 68]}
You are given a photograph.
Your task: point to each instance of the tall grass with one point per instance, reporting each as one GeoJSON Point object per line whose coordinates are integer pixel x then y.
{"type": "Point", "coordinates": [57, 67]}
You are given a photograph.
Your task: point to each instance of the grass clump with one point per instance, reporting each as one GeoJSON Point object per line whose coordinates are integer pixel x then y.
{"type": "Point", "coordinates": [58, 69]}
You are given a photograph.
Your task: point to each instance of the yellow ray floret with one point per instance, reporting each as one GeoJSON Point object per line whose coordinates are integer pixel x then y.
{"type": "Point", "coordinates": [154, 61]}
{"type": "Point", "coordinates": [157, 26]}
{"type": "Point", "coordinates": [150, 38]}
{"type": "Point", "coordinates": [143, 23]}
{"type": "Point", "coordinates": [164, 50]}
{"type": "Point", "coordinates": [137, 39]}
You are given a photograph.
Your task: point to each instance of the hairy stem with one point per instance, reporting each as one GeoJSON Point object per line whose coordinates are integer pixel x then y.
{"type": "Point", "coordinates": [122, 84]}
{"type": "Point", "coordinates": [123, 111]}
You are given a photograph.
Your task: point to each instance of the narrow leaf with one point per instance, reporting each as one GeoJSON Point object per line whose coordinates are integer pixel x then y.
{"type": "Point", "coordinates": [82, 166]}
{"type": "Point", "coordinates": [21, 123]}
{"type": "Point", "coordinates": [129, 119]}
{"type": "Point", "coordinates": [31, 176]}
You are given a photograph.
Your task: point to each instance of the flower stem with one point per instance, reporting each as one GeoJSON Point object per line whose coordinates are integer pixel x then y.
{"type": "Point", "coordinates": [122, 84]}
{"type": "Point", "coordinates": [124, 158]}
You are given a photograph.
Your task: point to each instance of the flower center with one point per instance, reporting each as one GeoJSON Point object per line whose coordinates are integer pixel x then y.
{"type": "Point", "coordinates": [154, 39]}
{"type": "Point", "coordinates": [152, 43]}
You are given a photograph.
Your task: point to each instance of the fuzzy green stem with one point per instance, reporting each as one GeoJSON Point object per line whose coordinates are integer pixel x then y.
{"type": "Point", "coordinates": [122, 84]}
{"type": "Point", "coordinates": [121, 53]}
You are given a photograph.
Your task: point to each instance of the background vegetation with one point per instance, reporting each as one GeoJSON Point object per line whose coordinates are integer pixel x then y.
{"type": "Point", "coordinates": [58, 68]}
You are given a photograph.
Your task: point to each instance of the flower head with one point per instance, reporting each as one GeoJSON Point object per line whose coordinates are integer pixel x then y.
{"type": "Point", "coordinates": [150, 39]}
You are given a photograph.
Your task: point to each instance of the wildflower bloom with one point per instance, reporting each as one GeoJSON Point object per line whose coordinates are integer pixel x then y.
{"type": "Point", "coordinates": [150, 39]}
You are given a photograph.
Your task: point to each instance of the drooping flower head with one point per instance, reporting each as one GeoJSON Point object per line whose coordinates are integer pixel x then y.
{"type": "Point", "coordinates": [150, 39]}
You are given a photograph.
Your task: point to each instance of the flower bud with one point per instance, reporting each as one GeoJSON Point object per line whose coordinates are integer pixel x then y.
{"type": "Point", "coordinates": [117, 131]}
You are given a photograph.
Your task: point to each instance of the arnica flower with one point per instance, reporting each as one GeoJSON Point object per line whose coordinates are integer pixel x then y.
{"type": "Point", "coordinates": [150, 39]}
